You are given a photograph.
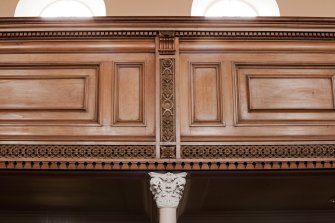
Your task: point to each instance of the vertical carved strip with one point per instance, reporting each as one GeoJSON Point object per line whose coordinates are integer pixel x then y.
{"type": "Point", "coordinates": [168, 110]}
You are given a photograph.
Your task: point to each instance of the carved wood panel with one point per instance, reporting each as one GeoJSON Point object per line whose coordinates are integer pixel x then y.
{"type": "Point", "coordinates": [285, 95]}
{"type": "Point", "coordinates": [167, 93]}
{"type": "Point", "coordinates": [206, 94]}
{"type": "Point", "coordinates": [70, 96]}
{"type": "Point", "coordinates": [265, 96]}
{"type": "Point", "coordinates": [46, 94]}
{"type": "Point", "coordinates": [129, 85]}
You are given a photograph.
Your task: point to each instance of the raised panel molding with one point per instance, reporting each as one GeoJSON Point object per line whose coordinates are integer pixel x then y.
{"type": "Point", "coordinates": [43, 93]}
{"type": "Point", "coordinates": [284, 94]}
{"type": "Point", "coordinates": [129, 91]}
{"type": "Point", "coordinates": [290, 93]}
{"type": "Point", "coordinates": [167, 94]}
{"type": "Point", "coordinates": [206, 94]}
{"type": "Point", "coordinates": [49, 94]}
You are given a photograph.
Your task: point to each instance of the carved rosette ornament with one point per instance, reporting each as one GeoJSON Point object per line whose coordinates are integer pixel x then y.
{"type": "Point", "coordinates": [167, 188]}
{"type": "Point", "coordinates": [168, 152]}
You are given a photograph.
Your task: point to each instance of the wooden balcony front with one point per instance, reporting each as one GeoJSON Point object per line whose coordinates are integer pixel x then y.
{"type": "Point", "coordinates": [167, 93]}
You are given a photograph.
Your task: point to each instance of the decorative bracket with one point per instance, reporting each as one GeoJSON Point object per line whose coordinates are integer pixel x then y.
{"type": "Point", "coordinates": [167, 43]}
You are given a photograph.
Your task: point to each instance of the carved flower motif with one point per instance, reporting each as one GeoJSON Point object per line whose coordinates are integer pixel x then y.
{"type": "Point", "coordinates": [16, 151]}
{"type": "Point", "coordinates": [267, 151]}
{"type": "Point", "coordinates": [227, 151]}
{"type": "Point", "coordinates": [280, 152]}
{"type": "Point", "coordinates": [240, 151]}
{"type": "Point", "coordinates": [253, 151]}
{"type": "Point", "coordinates": [122, 152]}
{"type": "Point", "coordinates": [42, 151]}
{"type": "Point", "coordinates": [167, 105]}
{"type": "Point", "coordinates": [29, 152]}
{"type": "Point", "coordinates": [95, 152]}
{"type": "Point", "coordinates": [135, 151]}
{"type": "Point", "coordinates": [331, 151]}
{"type": "Point", "coordinates": [294, 151]}
{"type": "Point", "coordinates": [149, 152]}
{"type": "Point", "coordinates": [68, 152]}
{"type": "Point", "coordinates": [108, 152]}
{"type": "Point", "coordinates": [201, 151]}
{"type": "Point", "coordinates": [213, 152]}
{"type": "Point", "coordinates": [318, 151]}
{"type": "Point", "coordinates": [186, 152]}
{"type": "Point", "coordinates": [3, 152]}
{"type": "Point", "coordinates": [56, 151]}
{"type": "Point", "coordinates": [305, 151]}
{"type": "Point", "coordinates": [167, 63]}
{"type": "Point", "coordinates": [82, 152]}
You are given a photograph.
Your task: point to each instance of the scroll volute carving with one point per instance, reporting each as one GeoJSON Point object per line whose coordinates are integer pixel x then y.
{"type": "Point", "coordinates": [167, 43]}
{"type": "Point", "coordinates": [167, 188]}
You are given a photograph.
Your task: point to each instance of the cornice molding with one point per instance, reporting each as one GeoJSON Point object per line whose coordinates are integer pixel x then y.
{"type": "Point", "coordinates": [258, 35]}
{"type": "Point", "coordinates": [166, 28]}
{"type": "Point", "coordinates": [166, 41]}
{"type": "Point", "coordinates": [77, 35]}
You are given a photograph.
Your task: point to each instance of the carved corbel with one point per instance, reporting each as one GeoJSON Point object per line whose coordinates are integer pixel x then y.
{"type": "Point", "coordinates": [167, 43]}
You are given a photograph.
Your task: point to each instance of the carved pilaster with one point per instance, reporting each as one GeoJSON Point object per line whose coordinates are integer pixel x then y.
{"type": "Point", "coordinates": [167, 43]}
{"type": "Point", "coordinates": [167, 188]}
{"type": "Point", "coordinates": [168, 108]}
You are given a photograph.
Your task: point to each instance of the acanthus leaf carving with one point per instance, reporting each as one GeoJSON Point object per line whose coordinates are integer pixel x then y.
{"type": "Point", "coordinates": [167, 188]}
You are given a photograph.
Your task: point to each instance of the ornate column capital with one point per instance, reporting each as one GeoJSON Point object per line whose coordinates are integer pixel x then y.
{"type": "Point", "coordinates": [167, 188]}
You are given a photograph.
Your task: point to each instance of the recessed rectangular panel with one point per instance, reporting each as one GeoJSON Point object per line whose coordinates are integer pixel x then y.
{"type": "Point", "coordinates": [278, 93]}
{"type": "Point", "coordinates": [45, 94]}
{"type": "Point", "coordinates": [71, 97]}
{"type": "Point", "coordinates": [39, 93]}
{"type": "Point", "coordinates": [285, 95]}
{"type": "Point", "coordinates": [128, 99]}
{"type": "Point", "coordinates": [206, 94]}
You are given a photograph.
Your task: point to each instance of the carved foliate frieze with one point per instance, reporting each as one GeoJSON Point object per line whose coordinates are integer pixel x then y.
{"type": "Point", "coordinates": [167, 43]}
{"type": "Point", "coordinates": [168, 107]}
{"type": "Point", "coordinates": [168, 152]}
{"type": "Point", "coordinates": [257, 151]}
{"type": "Point", "coordinates": [167, 188]}
{"type": "Point", "coordinates": [77, 151]}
